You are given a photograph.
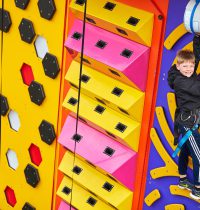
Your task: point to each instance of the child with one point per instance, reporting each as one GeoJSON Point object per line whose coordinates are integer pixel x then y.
{"type": "Point", "coordinates": [183, 79]}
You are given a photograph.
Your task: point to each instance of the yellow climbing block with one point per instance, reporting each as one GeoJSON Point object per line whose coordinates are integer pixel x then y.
{"type": "Point", "coordinates": [152, 197]}
{"type": "Point", "coordinates": [175, 207]}
{"type": "Point", "coordinates": [113, 93]}
{"type": "Point", "coordinates": [129, 22]}
{"type": "Point", "coordinates": [81, 198]}
{"type": "Point", "coordinates": [106, 120]}
{"type": "Point", "coordinates": [96, 182]}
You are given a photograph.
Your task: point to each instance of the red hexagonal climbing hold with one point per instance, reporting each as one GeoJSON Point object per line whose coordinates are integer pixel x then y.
{"type": "Point", "coordinates": [35, 154]}
{"type": "Point", "coordinates": [27, 74]}
{"type": "Point", "coordinates": [10, 196]}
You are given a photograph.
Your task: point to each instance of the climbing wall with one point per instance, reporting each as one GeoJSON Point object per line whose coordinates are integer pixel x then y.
{"type": "Point", "coordinates": [100, 166]}
{"type": "Point", "coordinates": [162, 177]}
{"type": "Point", "coordinates": [31, 47]}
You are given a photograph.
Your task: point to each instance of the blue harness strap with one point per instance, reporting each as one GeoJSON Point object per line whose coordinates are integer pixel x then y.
{"type": "Point", "coordinates": [184, 139]}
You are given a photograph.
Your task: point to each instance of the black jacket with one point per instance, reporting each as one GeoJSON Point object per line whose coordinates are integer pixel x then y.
{"type": "Point", "coordinates": [187, 89]}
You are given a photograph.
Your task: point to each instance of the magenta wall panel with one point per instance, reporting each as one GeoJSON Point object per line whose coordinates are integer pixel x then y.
{"type": "Point", "coordinates": [102, 151]}
{"type": "Point", "coordinates": [128, 57]}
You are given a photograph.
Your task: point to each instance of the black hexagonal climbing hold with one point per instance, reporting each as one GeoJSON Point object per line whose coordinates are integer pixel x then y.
{"type": "Point", "coordinates": [5, 20]}
{"type": "Point", "coordinates": [46, 8]}
{"type": "Point", "coordinates": [28, 206]}
{"type": "Point", "coordinates": [22, 4]}
{"type": "Point", "coordinates": [26, 30]}
{"type": "Point", "coordinates": [47, 132]}
{"type": "Point", "coordinates": [4, 105]}
{"type": "Point", "coordinates": [50, 65]}
{"type": "Point", "coordinates": [32, 175]}
{"type": "Point", "coordinates": [36, 92]}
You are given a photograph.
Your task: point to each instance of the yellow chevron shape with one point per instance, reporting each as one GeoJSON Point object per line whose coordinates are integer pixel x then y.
{"type": "Point", "coordinates": [104, 89]}
{"type": "Point", "coordinates": [117, 19]}
{"type": "Point", "coordinates": [96, 182]}
{"type": "Point", "coordinates": [81, 198]}
{"type": "Point", "coordinates": [110, 122]}
{"type": "Point", "coordinates": [152, 197]}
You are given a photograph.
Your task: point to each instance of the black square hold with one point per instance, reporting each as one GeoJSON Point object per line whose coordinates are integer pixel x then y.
{"type": "Point", "coordinates": [80, 2]}
{"type": "Point", "coordinates": [91, 201]}
{"type": "Point", "coordinates": [109, 6]}
{"type": "Point", "coordinates": [101, 44]}
{"type": "Point", "coordinates": [72, 101]}
{"type": "Point", "coordinates": [77, 170]}
{"type": "Point", "coordinates": [126, 53]}
{"type": "Point", "coordinates": [120, 127]}
{"type": "Point", "coordinates": [85, 78]}
{"type": "Point", "coordinates": [107, 186]}
{"type": "Point", "coordinates": [109, 151]}
{"type": "Point", "coordinates": [99, 109]}
{"type": "Point", "coordinates": [77, 137]}
{"type": "Point", "coordinates": [117, 91]}
{"type": "Point", "coordinates": [66, 190]}
{"type": "Point", "coordinates": [77, 35]}
{"type": "Point", "coordinates": [133, 21]}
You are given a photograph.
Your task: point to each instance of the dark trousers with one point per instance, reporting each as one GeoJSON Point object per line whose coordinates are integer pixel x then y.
{"type": "Point", "coordinates": [192, 148]}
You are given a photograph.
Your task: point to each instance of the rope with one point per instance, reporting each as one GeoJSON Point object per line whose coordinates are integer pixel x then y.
{"type": "Point", "coordinates": [79, 91]}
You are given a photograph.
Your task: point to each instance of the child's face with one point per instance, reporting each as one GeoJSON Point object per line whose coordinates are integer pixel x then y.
{"type": "Point", "coordinates": [186, 68]}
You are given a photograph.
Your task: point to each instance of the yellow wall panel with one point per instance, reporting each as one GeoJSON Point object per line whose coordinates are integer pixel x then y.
{"type": "Point", "coordinates": [93, 180]}
{"type": "Point", "coordinates": [80, 196]}
{"type": "Point", "coordinates": [107, 122]}
{"type": "Point", "coordinates": [117, 19]}
{"type": "Point", "coordinates": [15, 53]}
{"type": "Point", "coordinates": [130, 101]}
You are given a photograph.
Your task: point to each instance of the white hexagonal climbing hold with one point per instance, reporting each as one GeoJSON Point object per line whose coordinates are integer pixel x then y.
{"type": "Point", "coordinates": [14, 120]}
{"type": "Point", "coordinates": [41, 46]}
{"type": "Point", "coordinates": [12, 159]}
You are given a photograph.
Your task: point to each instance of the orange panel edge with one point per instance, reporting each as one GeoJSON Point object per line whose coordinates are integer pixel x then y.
{"type": "Point", "coordinates": [160, 11]}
